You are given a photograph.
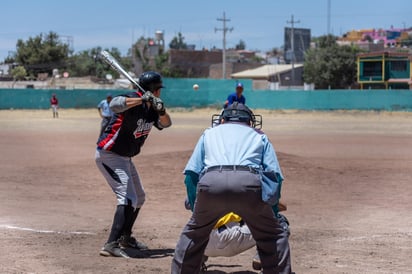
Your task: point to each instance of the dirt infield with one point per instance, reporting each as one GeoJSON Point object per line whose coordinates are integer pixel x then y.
{"type": "Point", "coordinates": [348, 189]}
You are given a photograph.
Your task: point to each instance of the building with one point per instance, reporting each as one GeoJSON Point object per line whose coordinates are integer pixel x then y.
{"type": "Point", "coordinates": [384, 69]}
{"type": "Point", "coordinates": [388, 38]}
{"type": "Point", "coordinates": [301, 42]}
{"type": "Point", "coordinates": [272, 76]}
{"type": "Point", "coordinates": [5, 71]}
{"type": "Point", "coordinates": [208, 64]}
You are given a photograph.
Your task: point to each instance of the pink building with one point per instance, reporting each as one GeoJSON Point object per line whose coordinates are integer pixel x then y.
{"type": "Point", "coordinates": [388, 37]}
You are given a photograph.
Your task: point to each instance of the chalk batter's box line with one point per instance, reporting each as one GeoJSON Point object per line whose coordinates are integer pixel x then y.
{"type": "Point", "coordinates": [12, 227]}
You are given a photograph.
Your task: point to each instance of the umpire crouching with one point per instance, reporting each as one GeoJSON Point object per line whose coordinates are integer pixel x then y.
{"type": "Point", "coordinates": [238, 169]}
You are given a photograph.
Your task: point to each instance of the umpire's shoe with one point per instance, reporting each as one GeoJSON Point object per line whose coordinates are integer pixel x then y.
{"type": "Point", "coordinates": [128, 241]}
{"type": "Point", "coordinates": [256, 264]}
{"type": "Point", "coordinates": [113, 249]}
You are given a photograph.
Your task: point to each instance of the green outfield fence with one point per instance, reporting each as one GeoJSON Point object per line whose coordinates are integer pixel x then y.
{"type": "Point", "coordinates": [212, 93]}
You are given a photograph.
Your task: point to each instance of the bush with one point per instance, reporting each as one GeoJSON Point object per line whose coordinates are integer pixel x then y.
{"type": "Point", "coordinates": [19, 73]}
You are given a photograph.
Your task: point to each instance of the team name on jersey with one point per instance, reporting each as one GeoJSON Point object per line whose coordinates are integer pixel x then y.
{"type": "Point", "coordinates": [143, 128]}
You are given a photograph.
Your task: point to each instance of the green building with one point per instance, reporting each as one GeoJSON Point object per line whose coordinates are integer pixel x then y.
{"type": "Point", "coordinates": [384, 70]}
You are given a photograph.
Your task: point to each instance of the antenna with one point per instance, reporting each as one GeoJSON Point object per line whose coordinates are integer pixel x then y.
{"type": "Point", "coordinates": [224, 29]}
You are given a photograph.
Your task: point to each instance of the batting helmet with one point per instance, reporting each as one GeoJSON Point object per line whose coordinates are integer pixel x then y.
{"type": "Point", "coordinates": [150, 80]}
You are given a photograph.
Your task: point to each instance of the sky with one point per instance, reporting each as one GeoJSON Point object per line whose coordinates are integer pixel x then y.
{"type": "Point", "coordinates": [260, 24]}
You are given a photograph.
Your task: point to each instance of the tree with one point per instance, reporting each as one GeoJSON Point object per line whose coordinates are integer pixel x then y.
{"type": "Point", "coordinates": [241, 45]}
{"type": "Point", "coordinates": [19, 73]}
{"type": "Point", "coordinates": [177, 42]}
{"type": "Point", "coordinates": [330, 65]}
{"type": "Point", "coordinates": [9, 60]}
{"type": "Point", "coordinates": [275, 52]}
{"type": "Point", "coordinates": [87, 63]}
{"type": "Point", "coordinates": [84, 63]}
{"type": "Point", "coordinates": [42, 53]}
{"type": "Point", "coordinates": [145, 58]}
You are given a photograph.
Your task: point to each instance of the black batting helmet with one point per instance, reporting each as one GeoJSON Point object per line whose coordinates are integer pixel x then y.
{"type": "Point", "coordinates": [150, 80]}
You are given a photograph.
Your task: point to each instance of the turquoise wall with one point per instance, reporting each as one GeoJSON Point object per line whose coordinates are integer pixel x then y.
{"type": "Point", "coordinates": [213, 93]}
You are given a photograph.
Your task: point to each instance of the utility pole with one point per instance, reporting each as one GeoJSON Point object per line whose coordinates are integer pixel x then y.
{"type": "Point", "coordinates": [224, 30]}
{"type": "Point", "coordinates": [328, 21]}
{"type": "Point", "coordinates": [292, 43]}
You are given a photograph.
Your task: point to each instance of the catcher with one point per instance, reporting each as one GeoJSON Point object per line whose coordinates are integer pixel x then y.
{"type": "Point", "coordinates": [236, 170]}
{"type": "Point", "coordinates": [231, 235]}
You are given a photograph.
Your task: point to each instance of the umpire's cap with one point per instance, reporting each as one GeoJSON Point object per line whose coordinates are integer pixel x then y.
{"type": "Point", "coordinates": [150, 80]}
{"type": "Point", "coordinates": [238, 112]}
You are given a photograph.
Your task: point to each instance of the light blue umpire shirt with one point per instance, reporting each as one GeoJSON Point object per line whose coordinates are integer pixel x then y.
{"type": "Point", "coordinates": [233, 144]}
{"type": "Point", "coordinates": [104, 106]}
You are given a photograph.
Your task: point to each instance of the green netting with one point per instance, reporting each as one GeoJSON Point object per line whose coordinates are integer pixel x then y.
{"type": "Point", "coordinates": [213, 93]}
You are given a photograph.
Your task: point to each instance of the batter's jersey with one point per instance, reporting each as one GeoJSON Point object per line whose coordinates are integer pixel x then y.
{"type": "Point", "coordinates": [128, 130]}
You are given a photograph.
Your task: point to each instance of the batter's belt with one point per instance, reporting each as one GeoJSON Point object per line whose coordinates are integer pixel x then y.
{"type": "Point", "coordinates": [232, 168]}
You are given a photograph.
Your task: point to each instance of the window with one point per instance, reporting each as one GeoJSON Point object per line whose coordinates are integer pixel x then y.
{"type": "Point", "coordinates": [398, 65]}
{"type": "Point", "coordinates": [372, 69]}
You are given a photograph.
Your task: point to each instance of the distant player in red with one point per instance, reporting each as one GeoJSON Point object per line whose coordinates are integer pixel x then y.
{"type": "Point", "coordinates": [54, 104]}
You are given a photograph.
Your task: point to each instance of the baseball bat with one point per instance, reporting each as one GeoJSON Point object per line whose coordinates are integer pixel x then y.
{"type": "Point", "coordinates": [110, 60]}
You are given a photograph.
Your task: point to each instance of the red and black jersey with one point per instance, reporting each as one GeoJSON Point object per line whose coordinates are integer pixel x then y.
{"type": "Point", "coordinates": [128, 130]}
{"type": "Point", "coordinates": [54, 101]}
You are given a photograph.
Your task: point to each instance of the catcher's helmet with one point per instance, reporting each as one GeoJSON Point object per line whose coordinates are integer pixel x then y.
{"type": "Point", "coordinates": [238, 113]}
{"type": "Point", "coordinates": [150, 80]}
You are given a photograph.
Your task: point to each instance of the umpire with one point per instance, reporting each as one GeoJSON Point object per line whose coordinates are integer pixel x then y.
{"type": "Point", "coordinates": [238, 169]}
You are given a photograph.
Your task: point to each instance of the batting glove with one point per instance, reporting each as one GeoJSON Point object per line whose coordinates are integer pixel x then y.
{"type": "Point", "coordinates": [158, 105]}
{"type": "Point", "coordinates": [148, 97]}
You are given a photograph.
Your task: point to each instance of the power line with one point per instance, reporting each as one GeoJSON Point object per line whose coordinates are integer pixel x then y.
{"type": "Point", "coordinates": [224, 30]}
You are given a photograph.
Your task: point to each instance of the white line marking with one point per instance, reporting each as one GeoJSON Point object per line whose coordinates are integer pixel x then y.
{"type": "Point", "coordinates": [44, 231]}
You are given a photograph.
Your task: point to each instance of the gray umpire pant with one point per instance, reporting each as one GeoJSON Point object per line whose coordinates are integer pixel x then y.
{"type": "Point", "coordinates": [221, 192]}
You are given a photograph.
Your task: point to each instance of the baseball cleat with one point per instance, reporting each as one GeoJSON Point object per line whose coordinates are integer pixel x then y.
{"type": "Point", "coordinates": [113, 249]}
{"type": "Point", "coordinates": [130, 242]}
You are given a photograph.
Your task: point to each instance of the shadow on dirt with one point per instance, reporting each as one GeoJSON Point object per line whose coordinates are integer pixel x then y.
{"type": "Point", "coordinates": [150, 253]}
